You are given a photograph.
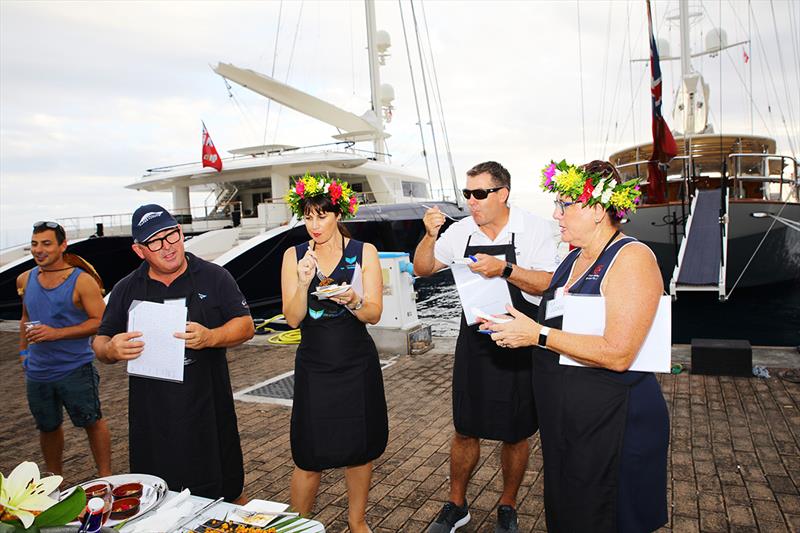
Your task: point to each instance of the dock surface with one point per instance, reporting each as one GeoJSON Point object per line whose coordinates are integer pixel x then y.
{"type": "Point", "coordinates": [734, 447]}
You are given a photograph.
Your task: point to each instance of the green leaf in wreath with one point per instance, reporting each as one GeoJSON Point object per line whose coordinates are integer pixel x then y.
{"type": "Point", "coordinates": [64, 511]}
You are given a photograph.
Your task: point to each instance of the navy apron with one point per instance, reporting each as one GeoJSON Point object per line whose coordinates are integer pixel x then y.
{"type": "Point", "coordinates": [339, 411]}
{"type": "Point", "coordinates": [187, 433]}
{"type": "Point", "coordinates": [492, 386]}
{"type": "Point", "coordinates": [588, 443]}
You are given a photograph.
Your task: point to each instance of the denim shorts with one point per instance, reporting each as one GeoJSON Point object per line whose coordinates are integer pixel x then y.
{"type": "Point", "coordinates": [78, 392]}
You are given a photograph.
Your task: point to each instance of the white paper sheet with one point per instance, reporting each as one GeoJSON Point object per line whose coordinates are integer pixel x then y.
{"type": "Point", "coordinates": [162, 357]}
{"type": "Point", "coordinates": [587, 315]}
{"type": "Point", "coordinates": [490, 295]}
{"type": "Point", "coordinates": [357, 282]}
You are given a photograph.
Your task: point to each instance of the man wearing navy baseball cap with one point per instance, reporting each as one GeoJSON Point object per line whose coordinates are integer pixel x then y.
{"type": "Point", "coordinates": [150, 219]}
{"type": "Point", "coordinates": [186, 433]}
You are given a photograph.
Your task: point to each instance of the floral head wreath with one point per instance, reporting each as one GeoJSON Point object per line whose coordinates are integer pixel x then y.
{"type": "Point", "coordinates": [592, 188]}
{"type": "Point", "coordinates": [341, 195]}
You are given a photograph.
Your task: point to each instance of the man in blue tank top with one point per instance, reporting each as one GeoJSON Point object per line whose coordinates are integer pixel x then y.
{"type": "Point", "coordinates": [61, 309]}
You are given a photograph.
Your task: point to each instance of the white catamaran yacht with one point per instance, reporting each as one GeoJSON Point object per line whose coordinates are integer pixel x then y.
{"type": "Point", "coordinates": [247, 225]}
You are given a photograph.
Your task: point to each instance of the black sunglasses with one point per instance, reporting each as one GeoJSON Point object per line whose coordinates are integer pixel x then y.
{"type": "Point", "coordinates": [46, 224]}
{"type": "Point", "coordinates": [479, 194]}
{"type": "Point", "coordinates": [157, 243]}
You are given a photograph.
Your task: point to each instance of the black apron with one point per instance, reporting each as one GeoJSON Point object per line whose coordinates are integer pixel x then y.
{"type": "Point", "coordinates": [582, 418]}
{"type": "Point", "coordinates": [492, 386]}
{"type": "Point", "coordinates": [339, 410]}
{"type": "Point", "coordinates": [187, 433]}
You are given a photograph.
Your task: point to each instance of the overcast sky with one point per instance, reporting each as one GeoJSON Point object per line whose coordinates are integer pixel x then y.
{"type": "Point", "coordinates": [94, 93]}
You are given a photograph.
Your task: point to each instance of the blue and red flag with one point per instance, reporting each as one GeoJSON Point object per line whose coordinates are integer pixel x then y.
{"type": "Point", "coordinates": [664, 147]}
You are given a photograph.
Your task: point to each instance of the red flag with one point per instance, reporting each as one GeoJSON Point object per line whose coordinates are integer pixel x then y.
{"type": "Point", "coordinates": [664, 146]}
{"type": "Point", "coordinates": [210, 156]}
{"type": "Point", "coordinates": [746, 57]}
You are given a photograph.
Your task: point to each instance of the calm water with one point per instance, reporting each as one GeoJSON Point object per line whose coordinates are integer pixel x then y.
{"type": "Point", "coordinates": [764, 317]}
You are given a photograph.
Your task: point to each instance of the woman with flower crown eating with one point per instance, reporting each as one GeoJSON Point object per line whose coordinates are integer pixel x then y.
{"type": "Point", "coordinates": [339, 414]}
{"type": "Point", "coordinates": [604, 429]}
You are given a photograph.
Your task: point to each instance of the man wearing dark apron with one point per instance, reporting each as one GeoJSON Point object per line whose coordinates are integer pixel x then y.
{"type": "Point", "coordinates": [184, 432]}
{"type": "Point", "coordinates": [492, 394]}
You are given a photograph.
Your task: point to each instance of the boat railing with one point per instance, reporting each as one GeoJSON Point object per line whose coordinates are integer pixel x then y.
{"type": "Point", "coordinates": [771, 169]}
{"type": "Point", "coordinates": [117, 224]}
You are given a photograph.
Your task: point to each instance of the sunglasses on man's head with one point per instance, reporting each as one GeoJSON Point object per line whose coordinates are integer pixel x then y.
{"type": "Point", "coordinates": [46, 224]}
{"type": "Point", "coordinates": [479, 194]}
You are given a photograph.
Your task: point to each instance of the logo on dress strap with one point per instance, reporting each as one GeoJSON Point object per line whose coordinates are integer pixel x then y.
{"type": "Point", "coordinates": [351, 260]}
{"type": "Point", "coordinates": [316, 314]}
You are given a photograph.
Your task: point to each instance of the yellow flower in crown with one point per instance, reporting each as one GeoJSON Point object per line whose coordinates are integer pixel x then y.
{"type": "Point", "coordinates": [591, 188]}
{"type": "Point", "coordinates": [340, 193]}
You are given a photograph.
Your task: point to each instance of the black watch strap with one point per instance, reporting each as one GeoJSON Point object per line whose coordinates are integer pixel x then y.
{"type": "Point", "coordinates": [507, 271]}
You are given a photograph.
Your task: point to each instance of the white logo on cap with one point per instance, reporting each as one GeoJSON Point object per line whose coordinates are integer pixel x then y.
{"type": "Point", "coordinates": [149, 216]}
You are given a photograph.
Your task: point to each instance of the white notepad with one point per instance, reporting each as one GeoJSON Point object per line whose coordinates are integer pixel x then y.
{"type": "Point", "coordinates": [162, 357]}
{"type": "Point", "coordinates": [587, 315]}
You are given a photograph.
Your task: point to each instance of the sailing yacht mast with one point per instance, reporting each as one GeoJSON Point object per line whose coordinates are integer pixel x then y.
{"type": "Point", "coordinates": [375, 78]}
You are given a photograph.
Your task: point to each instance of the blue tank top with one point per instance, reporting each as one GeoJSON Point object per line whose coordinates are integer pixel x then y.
{"type": "Point", "coordinates": [52, 361]}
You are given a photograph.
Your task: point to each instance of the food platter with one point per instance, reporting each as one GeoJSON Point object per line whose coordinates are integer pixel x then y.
{"type": "Point", "coordinates": [327, 291]}
{"type": "Point", "coordinates": [154, 491]}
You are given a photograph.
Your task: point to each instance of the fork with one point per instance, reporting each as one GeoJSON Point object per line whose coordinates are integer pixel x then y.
{"type": "Point", "coordinates": [247, 514]}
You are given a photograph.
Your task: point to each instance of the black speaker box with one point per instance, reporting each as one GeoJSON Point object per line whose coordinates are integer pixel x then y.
{"type": "Point", "coordinates": [722, 357]}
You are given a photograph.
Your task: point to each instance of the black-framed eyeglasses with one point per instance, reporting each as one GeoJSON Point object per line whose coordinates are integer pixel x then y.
{"type": "Point", "coordinates": [479, 194]}
{"type": "Point", "coordinates": [46, 224]}
{"type": "Point", "coordinates": [561, 205]}
{"type": "Point", "coordinates": [157, 243]}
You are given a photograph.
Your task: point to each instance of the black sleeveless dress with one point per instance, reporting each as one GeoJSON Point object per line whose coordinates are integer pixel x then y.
{"type": "Point", "coordinates": [339, 413]}
{"type": "Point", "coordinates": [604, 434]}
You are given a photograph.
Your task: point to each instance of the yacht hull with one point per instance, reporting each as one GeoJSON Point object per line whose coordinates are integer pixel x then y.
{"type": "Point", "coordinates": [257, 268]}
{"type": "Point", "coordinates": [776, 261]}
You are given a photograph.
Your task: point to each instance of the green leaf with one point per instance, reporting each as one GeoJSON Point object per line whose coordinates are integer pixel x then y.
{"type": "Point", "coordinates": [64, 511]}
{"type": "Point", "coordinates": [6, 527]}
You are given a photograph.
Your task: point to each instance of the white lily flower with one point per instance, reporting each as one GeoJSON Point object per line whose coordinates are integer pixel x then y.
{"type": "Point", "coordinates": [598, 190]}
{"type": "Point", "coordinates": [327, 186]}
{"type": "Point", "coordinates": [23, 492]}
{"type": "Point", "coordinates": [321, 183]}
{"type": "Point", "coordinates": [606, 196]}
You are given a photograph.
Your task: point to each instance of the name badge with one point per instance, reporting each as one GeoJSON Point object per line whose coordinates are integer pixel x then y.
{"type": "Point", "coordinates": [555, 307]}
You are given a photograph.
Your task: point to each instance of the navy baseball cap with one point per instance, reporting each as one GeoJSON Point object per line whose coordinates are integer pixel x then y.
{"type": "Point", "coordinates": [150, 219]}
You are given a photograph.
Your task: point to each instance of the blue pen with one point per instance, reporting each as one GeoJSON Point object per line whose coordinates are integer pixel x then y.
{"type": "Point", "coordinates": [486, 331]}
{"type": "Point", "coordinates": [473, 258]}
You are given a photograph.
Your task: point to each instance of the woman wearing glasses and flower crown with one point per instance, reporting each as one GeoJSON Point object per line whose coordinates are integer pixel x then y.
{"type": "Point", "coordinates": [332, 288]}
{"type": "Point", "coordinates": [604, 429]}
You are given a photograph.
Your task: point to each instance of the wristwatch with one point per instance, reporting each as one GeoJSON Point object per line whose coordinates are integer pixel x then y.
{"type": "Point", "coordinates": [359, 305]}
{"type": "Point", "coordinates": [543, 333]}
{"type": "Point", "coordinates": [507, 270]}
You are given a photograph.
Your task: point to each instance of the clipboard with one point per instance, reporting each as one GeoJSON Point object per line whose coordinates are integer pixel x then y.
{"type": "Point", "coordinates": [587, 315]}
{"type": "Point", "coordinates": [162, 357]}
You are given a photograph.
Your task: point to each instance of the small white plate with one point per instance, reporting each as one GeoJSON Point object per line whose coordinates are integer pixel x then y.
{"type": "Point", "coordinates": [267, 511]}
{"type": "Point", "coordinates": [330, 290]}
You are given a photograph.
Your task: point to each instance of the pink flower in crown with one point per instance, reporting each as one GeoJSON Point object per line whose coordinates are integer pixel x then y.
{"type": "Point", "coordinates": [353, 203]}
{"type": "Point", "coordinates": [300, 188]}
{"type": "Point", "coordinates": [335, 191]}
{"type": "Point", "coordinates": [549, 173]}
